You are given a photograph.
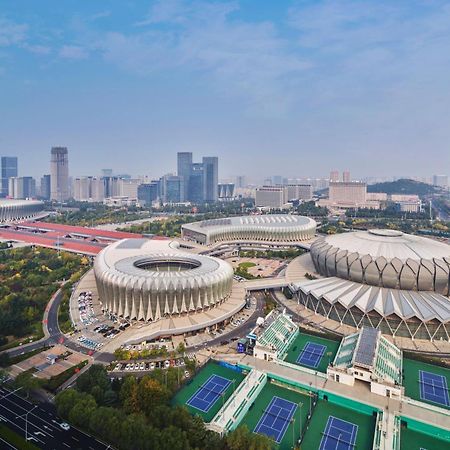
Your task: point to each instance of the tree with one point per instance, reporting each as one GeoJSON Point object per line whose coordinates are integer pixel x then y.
{"type": "Point", "coordinates": [82, 410]}
{"type": "Point", "coordinates": [242, 439]}
{"type": "Point", "coordinates": [151, 394]}
{"type": "Point", "coordinates": [65, 401]}
{"type": "Point", "coordinates": [27, 381]}
{"type": "Point", "coordinates": [129, 395]}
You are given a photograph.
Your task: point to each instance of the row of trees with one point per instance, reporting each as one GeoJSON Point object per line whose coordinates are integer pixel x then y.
{"type": "Point", "coordinates": [136, 414]}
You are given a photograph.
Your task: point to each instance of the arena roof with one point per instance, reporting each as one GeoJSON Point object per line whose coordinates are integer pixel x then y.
{"type": "Point", "coordinates": [12, 202]}
{"type": "Point", "coordinates": [389, 244]}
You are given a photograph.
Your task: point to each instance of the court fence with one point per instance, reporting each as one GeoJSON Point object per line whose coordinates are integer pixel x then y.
{"type": "Point", "coordinates": [301, 369]}
{"type": "Point", "coordinates": [378, 431]}
{"type": "Point", "coordinates": [425, 428]}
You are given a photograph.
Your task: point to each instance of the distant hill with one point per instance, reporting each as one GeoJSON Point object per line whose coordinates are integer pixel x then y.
{"type": "Point", "coordinates": [403, 186]}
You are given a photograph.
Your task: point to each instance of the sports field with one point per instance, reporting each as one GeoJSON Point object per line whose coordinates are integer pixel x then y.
{"type": "Point", "coordinates": [414, 440]}
{"type": "Point", "coordinates": [335, 427]}
{"type": "Point", "coordinates": [312, 351]}
{"type": "Point", "coordinates": [205, 394]}
{"type": "Point", "coordinates": [426, 382]}
{"type": "Point", "coordinates": [276, 412]}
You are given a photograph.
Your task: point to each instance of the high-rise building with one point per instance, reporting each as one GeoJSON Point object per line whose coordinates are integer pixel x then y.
{"type": "Point", "coordinates": [171, 187]}
{"type": "Point", "coordinates": [147, 193]}
{"type": "Point", "coordinates": [299, 192]}
{"type": "Point", "coordinates": [334, 175]}
{"type": "Point", "coordinates": [346, 176]}
{"type": "Point", "coordinates": [196, 184]}
{"type": "Point", "coordinates": [8, 170]}
{"type": "Point", "coordinates": [184, 170]}
{"type": "Point", "coordinates": [350, 194]}
{"type": "Point", "coordinates": [59, 174]}
{"type": "Point", "coordinates": [210, 178]}
{"type": "Point", "coordinates": [277, 180]}
{"type": "Point", "coordinates": [21, 187]}
{"type": "Point", "coordinates": [107, 172]}
{"type": "Point", "coordinates": [45, 187]}
{"type": "Point", "coordinates": [241, 181]}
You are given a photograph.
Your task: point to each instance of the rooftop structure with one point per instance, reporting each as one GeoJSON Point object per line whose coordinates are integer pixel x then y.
{"type": "Point", "coordinates": [14, 210]}
{"type": "Point", "coordinates": [266, 228]}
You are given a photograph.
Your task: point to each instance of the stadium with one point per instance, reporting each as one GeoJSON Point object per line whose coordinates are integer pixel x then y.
{"type": "Point", "coordinates": [384, 279]}
{"type": "Point", "coordinates": [144, 279]}
{"type": "Point", "coordinates": [13, 210]}
{"type": "Point", "coordinates": [272, 229]}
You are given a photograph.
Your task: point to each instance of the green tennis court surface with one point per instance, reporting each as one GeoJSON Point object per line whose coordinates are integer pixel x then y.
{"type": "Point", "coordinates": [416, 390]}
{"type": "Point", "coordinates": [415, 440]}
{"type": "Point", "coordinates": [290, 431]}
{"type": "Point", "coordinates": [363, 426]}
{"type": "Point", "coordinates": [194, 387]}
{"type": "Point", "coordinates": [298, 351]}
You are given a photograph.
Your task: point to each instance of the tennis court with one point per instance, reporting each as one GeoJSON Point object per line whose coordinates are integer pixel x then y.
{"type": "Point", "coordinates": [195, 394]}
{"type": "Point", "coordinates": [209, 393]}
{"type": "Point", "coordinates": [426, 382]}
{"type": "Point", "coordinates": [311, 354]}
{"type": "Point", "coordinates": [287, 433]}
{"type": "Point", "coordinates": [311, 351]}
{"type": "Point", "coordinates": [330, 421]}
{"type": "Point", "coordinates": [276, 418]}
{"type": "Point", "coordinates": [338, 435]}
{"type": "Point", "coordinates": [433, 388]}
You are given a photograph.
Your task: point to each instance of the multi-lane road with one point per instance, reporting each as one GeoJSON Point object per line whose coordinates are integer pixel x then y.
{"type": "Point", "coordinates": [40, 425]}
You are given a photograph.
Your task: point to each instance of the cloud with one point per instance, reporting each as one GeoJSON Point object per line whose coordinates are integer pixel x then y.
{"type": "Point", "coordinates": [11, 33]}
{"type": "Point", "coordinates": [37, 49]}
{"type": "Point", "coordinates": [74, 52]}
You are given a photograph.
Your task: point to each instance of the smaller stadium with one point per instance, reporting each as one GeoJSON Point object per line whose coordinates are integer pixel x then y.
{"type": "Point", "coordinates": [272, 229]}
{"type": "Point", "coordinates": [14, 210]}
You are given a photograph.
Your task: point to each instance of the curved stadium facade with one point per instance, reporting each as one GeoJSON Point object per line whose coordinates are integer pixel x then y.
{"type": "Point", "coordinates": [385, 279]}
{"type": "Point", "coordinates": [146, 280]}
{"type": "Point", "coordinates": [13, 210]}
{"type": "Point", "coordinates": [281, 228]}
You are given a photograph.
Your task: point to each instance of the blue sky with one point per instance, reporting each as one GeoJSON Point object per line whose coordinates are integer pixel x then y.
{"type": "Point", "coordinates": [293, 87]}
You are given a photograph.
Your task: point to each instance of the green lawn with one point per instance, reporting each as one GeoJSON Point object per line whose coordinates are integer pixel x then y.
{"type": "Point", "coordinates": [325, 409]}
{"type": "Point", "coordinates": [246, 265]}
{"type": "Point", "coordinates": [262, 402]}
{"type": "Point", "coordinates": [299, 343]}
{"type": "Point", "coordinates": [211, 368]}
{"type": "Point", "coordinates": [411, 378]}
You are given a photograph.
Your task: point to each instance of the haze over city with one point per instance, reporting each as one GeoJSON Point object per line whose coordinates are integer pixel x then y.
{"type": "Point", "coordinates": [303, 84]}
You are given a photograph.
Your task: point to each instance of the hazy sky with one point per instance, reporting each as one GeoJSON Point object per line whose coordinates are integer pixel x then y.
{"type": "Point", "coordinates": [271, 87]}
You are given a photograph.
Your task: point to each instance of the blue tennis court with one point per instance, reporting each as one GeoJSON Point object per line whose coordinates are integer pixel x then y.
{"type": "Point", "coordinates": [276, 418]}
{"type": "Point", "coordinates": [208, 393]}
{"type": "Point", "coordinates": [338, 435]}
{"type": "Point", "coordinates": [311, 354]}
{"type": "Point", "coordinates": [433, 388]}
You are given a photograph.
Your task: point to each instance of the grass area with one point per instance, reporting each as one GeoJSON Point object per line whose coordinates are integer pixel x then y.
{"type": "Point", "coordinates": [262, 402]}
{"type": "Point", "coordinates": [302, 339]}
{"type": "Point", "coordinates": [246, 265]}
{"type": "Point", "coordinates": [325, 409]}
{"type": "Point", "coordinates": [14, 439]}
{"type": "Point", "coordinates": [411, 378]}
{"type": "Point", "coordinates": [415, 440]}
{"type": "Point", "coordinates": [20, 358]}
{"type": "Point", "coordinates": [211, 368]}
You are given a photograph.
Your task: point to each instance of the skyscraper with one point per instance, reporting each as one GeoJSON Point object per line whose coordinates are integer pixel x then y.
{"type": "Point", "coordinates": [334, 175]}
{"type": "Point", "coordinates": [45, 187]}
{"type": "Point", "coordinates": [346, 176]}
{"type": "Point", "coordinates": [8, 170]}
{"type": "Point", "coordinates": [184, 170]}
{"type": "Point", "coordinates": [59, 174]}
{"type": "Point", "coordinates": [196, 192]}
{"type": "Point", "coordinates": [210, 178]}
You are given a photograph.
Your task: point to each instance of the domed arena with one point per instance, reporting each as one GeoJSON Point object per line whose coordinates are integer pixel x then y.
{"type": "Point", "coordinates": [144, 279]}
{"type": "Point", "coordinates": [386, 279]}
{"type": "Point", "coordinates": [13, 210]}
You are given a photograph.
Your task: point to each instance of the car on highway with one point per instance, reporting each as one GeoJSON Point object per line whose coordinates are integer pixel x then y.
{"type": "Point", "coordinates": [65, 426]}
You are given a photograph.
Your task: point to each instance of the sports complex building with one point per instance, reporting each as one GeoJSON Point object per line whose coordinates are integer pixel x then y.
{"type": "Point", "coordinates": [281, 228]}
{"type": "Point", "coordinates": [144, 279]}
{"type": "Point", "coordinates": [13, 210]}
{"type": "Point", "coordinates": [385, 279]}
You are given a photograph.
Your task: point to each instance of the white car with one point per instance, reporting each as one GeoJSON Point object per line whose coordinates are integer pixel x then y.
{"type": "Point", "coordinates": [167, 364]}
{"type": "Point", "coordinates": [65, 426]}
{"type": "Point", "coordinates": [142, 366]}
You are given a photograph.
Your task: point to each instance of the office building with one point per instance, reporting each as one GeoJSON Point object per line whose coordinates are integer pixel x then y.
{"type": "Point", "coordinates": [147, 193]}
{"type": "Point", "coordinates": [196, 192]}
{"type": "Point", "coordinates": [277, 180]}
{"type": "Point", "coordinates": [45, 187]}
{"type": "Point", "coordinates": [59, 174]}
{"type": "Point", "coordinates": [346, 176]}
{"type": "Point", "coordinates": [21, 188]}
{"type": "Point", "coordinates": [170, 188]}
{"type": "Point", "coordinates": [273, 197]}
{"type": "Point", "coordinates": [129, 187]}
{"type": "Point", "coordinates": [348, 194]}
{"type": "Point", "coordinates": [184, 169]}
{"type": "Point", "coordinates": [299, 192]}
{"type": "Point", "coordinates": [210, 178]}
{"type": "Point", "coordinates": [440, 181]}
{"type": "Point", "coordinates": [8, 170]}
{"type": "Point", "coordinates": [241, 182]}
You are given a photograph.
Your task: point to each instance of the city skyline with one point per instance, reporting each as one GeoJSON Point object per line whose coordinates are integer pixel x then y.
{"type": "Point", "coordinates": [305, 85]}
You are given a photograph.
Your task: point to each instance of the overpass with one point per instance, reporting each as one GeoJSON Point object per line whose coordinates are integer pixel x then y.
{"type": "Point", "coordinates": [264, 283]}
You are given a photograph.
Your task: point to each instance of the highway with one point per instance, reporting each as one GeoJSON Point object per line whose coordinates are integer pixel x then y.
{"type": "Point", "coordinates": [41, 425]}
